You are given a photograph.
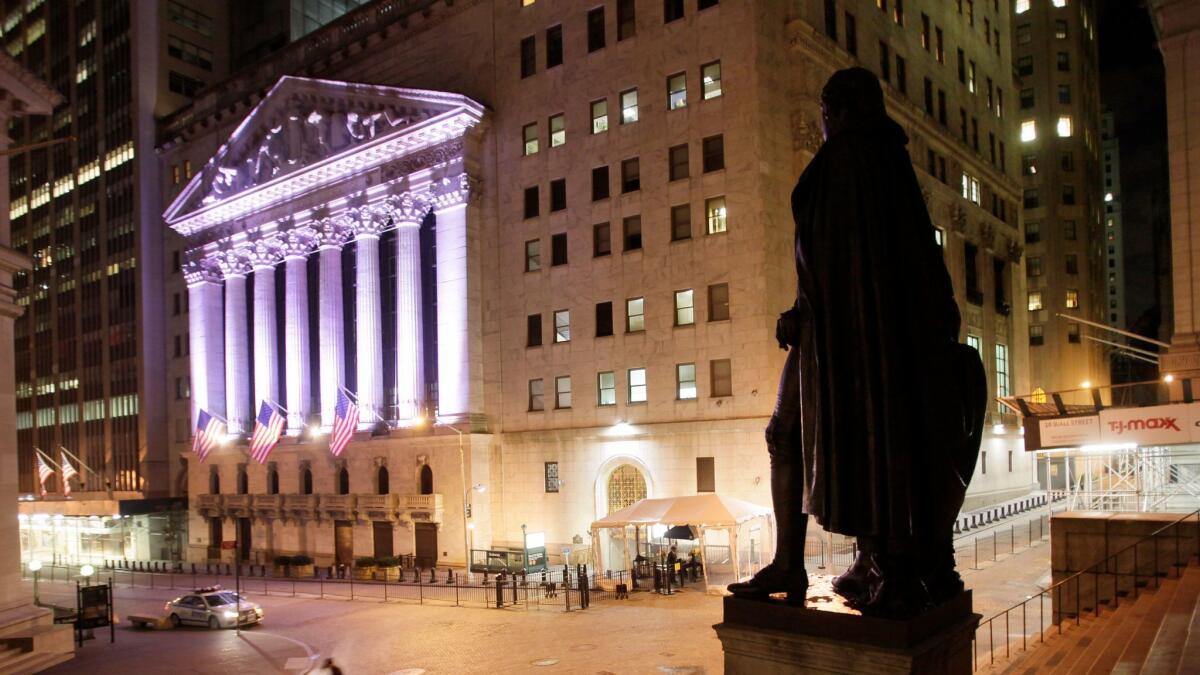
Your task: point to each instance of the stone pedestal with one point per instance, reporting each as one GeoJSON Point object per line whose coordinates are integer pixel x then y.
{"type": "Point", "coordinates": [768, 638]}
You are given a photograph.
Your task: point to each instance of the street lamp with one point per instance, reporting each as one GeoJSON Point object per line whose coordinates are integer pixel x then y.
{"type": "Point", "coordinates": [462, 469]}
{"type": "Point", "coordinates": [35, 566]}
{"type": "Point", "coordinates": [86, 572]}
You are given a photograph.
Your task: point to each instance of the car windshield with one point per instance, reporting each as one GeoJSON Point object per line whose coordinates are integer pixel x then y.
{"type": "Point", "coordinates": [219, 599]}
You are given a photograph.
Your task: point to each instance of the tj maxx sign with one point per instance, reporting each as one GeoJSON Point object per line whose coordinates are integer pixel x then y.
{"type": "Point", "coordinates": [1151, 425]}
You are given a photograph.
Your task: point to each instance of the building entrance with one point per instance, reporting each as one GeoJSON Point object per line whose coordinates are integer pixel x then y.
{"type": "Point", "coordinates": [343, 542]}
{"type": "Point", "coordinates": [244, 541]}
{"type": "Point", "coordinates": [426, 534]}
{"type": "Point", "coordinates": [383, 539]}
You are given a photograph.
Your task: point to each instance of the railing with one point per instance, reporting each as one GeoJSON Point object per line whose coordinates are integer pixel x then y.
{"type": "Point", "coordinates": [300, 502]}
{"type": "Point", "coordinates": [237, 505]}
{"type": "Point", "coordinates": [339, 503]}
{"type": "Point", "coordinates": [1095, 570]}
{"type": "Point", "coordinates": [209, 503]}
{"type": "Point", "coordinates": [378, 505]}
{"type": "Point", "coordinates": [421, 502]}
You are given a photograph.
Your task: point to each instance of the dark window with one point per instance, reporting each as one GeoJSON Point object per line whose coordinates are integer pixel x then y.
{"type": "Point", "coordinates": [528, 56]}
{"type": "Point", "coordinates": [672, 10]}
{"type": "Point", "coordinates": [1031, 199]}
{"type": "Point", "coordinates": [925, 41]}
{"type": "Point", "coordinates": [962, 67]}
{"type": "Point", "coordinates": [1000, 292]}
{"type": "Point", "coordinates": [595, 29]}
{"type": "Point", "coordinates": [971, 268]}
{"type": "Point", "coordinates": [631, 176]}
{"type": "Point", "coordinates": [681, 222]}
{"type": "Point", "coordinates": [426, 480]}
{"type": "Point", "coordinates": [705, 4]}
{"type": "Point", "coordinates": [533, 330]}
{"type": "Point", "coordinates": [272, 482]}
{"type": "Point", "coordinates": [604, 319]}
{"type": "Point", "coordinates": [601, 240]}
{"type": "Point", "coordinates": [381, 481]}
{"type": "Point", "coordinates": [1064, 93]}
{"type": "Point", "coordinates": [714, 153]}
{"type": "Point", "coordinates": [929, 97]}
{"type": "Point", "coordinates": [1073, 333]}
{"type": "Point", "coordinates": [720, 378]}
{"type": "Point", "coordinates": [1064, 62]}
{"type": "Point", "coordinates": [678, 158]}
{"type": "Point", "coordinates": [901, 75]}
{"type": "Point", "coordinates": [885, 62]}
{"type": "Point", "coordinates": [1037, 335]}
{"type": "Point", "coordinates": [626, 20]}
{"type": "Point", "coordinates": [599, 183]}
{"type": "Point", "coordinates": [1033, 233]}
{"type": "Point", "coordinates": [1068, 195]}
{"type": "Point", "coordinates": [306, 486]}
{"type": "Point", "coordinates": [243, 483]}
{"type": "Point", "coordinates": [706, 480]}
{"type": "Point", "coordinates": [632, 230]}
{"type": "Point", "coordinates": [1069, 230]}
{"type": "Point", "coordinates": [718, 302]}
{"type": "Point", "coordinates": [214, 482]}
{"type": "Point", "coordinates": [558, 249]}
{"type": "Point", "coordinates": [558, 194]}
{"type": "Point", "coordinates": [1025, 66]}
{"type": "Point", "coordinates": [851, 35]}
{"type": "Point", "coordinates": [941, 45]}
{"type": "Point", "coordinates": [183, 85]}
{"type": "Point", "coordinates": [1072, 262]}
{"type": "Point", "coordinates": [831, 19]}
{"type": "Point", "coordinates": [343, 482]}
{"type": "Point", "coordinates": [941, 107]}
{"type": "Point", "coordinates": [1026, 98]}
{"type": "Point", "coordinates": [531, 202]}
{"type": "Point", "coordinates": [554, 46]}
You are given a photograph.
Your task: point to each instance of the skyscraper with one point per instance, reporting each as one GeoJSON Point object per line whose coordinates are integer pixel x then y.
{"type": "Point", "coordinates": [1054, 50]}
{"type": "Point", "coordinates": [1114, 266]}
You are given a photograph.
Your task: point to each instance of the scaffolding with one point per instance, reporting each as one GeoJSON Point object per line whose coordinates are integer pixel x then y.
{"type": "Point", "coordinates": [1132, 478]}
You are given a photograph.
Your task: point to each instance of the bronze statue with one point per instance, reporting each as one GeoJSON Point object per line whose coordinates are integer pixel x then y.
{"type": "Point", "coordinates": [880, 408]}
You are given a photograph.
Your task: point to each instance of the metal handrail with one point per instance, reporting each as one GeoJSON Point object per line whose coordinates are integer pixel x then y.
{"type": "Point", "coordinates": [1057, 590]}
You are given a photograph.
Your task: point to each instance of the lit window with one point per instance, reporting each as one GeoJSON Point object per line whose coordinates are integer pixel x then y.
{"type": "Point", "coordinates": [1001, 370]}
{"type": "Point", "coordinates": [562, 392]}
{"type": "Point", "coordinates": [635, 317]}
{"type": "Point", "coordinates": [637, 385]}
{"type": "Point", "coordinates": [1072, 298]}
{"type": "Point", "coordinates": [714, 209]}
{"type": "Point", "coordinates": [526, 3]}
{"type": "Point", "coordinates": [939, 236]}
{"type": "Point", "coordinates": [558, 130]}
{"type": "Point", "coordinates": [562, 325]}
{"type": "Point", "coordinates": [606, 384]}
{"type": "Point", "coordinates": [677, 91]}
{"type": "Point", "coordinates": [685, 308]}
{"type": "Point", "coordinates": [175, 175]}
{"type": "Point", "coordinates": [187, 168]}
{"type": "Point", "coordinates": [533, 255]}
{"type": "Point", "coordinates": [530, 136]}
{"type": "Point", "coordinates": [629, 106]}
{"type": "Point", "coordinates": [1064, 126]}
{"type": "Point", "coordinates": [1022, 6]}
{"type": "Point", "coordinates": [1035, 301]}
{"type": "Point", "coordinates": [975, 342]}
{"type": "Point", "coordinates": [535, 395]}
{"type": "Point", "coordinates": [1108, 197]}
{"type": "Point", "coordinates": [685, 381]}
{"type": "Point", "coordinates": [600, 116]}
{"type": "Point", "coordinates": [1056, 3]}
{"type": "Point", "coordinates": [970, 188]}
{"type": "Point", "coordinates": [710, 75]}
{"type": "Point", "coordinates": [1028, 131]}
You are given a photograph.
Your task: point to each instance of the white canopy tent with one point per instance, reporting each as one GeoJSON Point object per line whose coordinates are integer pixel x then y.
{"type": "Point", "coordinates": [705, 513]}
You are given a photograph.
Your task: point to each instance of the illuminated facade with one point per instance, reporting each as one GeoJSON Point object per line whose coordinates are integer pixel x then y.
{"type": "Point", "coordinates": [576, 258]}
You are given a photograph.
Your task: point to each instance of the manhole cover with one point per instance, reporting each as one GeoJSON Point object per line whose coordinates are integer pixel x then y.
{"type": "Point", "coordinates": [544, 662]}
{"type": "Point", "coordinates": [585, 647]}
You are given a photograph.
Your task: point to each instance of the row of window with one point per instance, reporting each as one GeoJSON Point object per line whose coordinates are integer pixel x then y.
{"type": "Point", "coordinates": [1070, 300]}
{"type": "Point", "coordinates": [635, 315]}
{"type": "Point", "coordinates": [1037, 334]}
{"type": "Point", "coordinates": [1064, 127]}
{"type": "Point", "coordinates": [1033, 265]}
{"type": "Point", "coordinates": [720, 385]}
{"type": "Point", "coordinates": [715, 222]}
{"type": "Point", "coordinates": [1032, 197]}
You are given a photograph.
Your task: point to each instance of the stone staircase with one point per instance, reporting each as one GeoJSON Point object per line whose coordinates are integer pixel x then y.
{"type": "Point", "coordinates": [35, 649]}
{"type": "Point", "coordinates": [1158, 633]}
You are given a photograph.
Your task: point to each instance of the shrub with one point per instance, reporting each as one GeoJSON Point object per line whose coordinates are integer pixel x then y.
{"type": "Point", "coordinates": [388, 561]}
{"type": "Point", "coordinates": [302, 560]}
{"type": "Point", "coordinates": [365, 561]}
{"type": "Point", "coordinates": [284, 560]}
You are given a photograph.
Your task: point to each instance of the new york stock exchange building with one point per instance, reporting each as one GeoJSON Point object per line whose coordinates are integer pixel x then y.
{"type": "Point", "coordinates": [549, 278]}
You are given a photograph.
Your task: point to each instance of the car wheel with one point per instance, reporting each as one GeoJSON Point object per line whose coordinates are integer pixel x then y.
{"type": "Point", "coordinates": [213, 624]}
{"type": "Point", "coordinates": [174, 621]}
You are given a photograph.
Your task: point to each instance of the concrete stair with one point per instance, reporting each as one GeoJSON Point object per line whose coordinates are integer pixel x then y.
{"type": "Point", "coordinates": [1158, 633]}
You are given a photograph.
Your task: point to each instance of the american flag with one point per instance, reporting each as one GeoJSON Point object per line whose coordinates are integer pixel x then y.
{"type": "Point", "coordinates": [68, 472]}
{"type": "Point", "coordinates": [44, 472]}
{"type": "Point", "coordinates": [209, 431]}
{"type": "Point", "coordinates": [267, 430]}
{"type": "Point", "coordinates": [345, 421]}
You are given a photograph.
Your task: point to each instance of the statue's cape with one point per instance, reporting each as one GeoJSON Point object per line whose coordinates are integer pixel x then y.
{"type": "Point", "coordinates": [876, 343]}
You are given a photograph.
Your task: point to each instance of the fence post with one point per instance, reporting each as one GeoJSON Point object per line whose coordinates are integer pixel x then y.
{"type": "Point", "coordinates": [976, 563]}
{"type": "Point", "coordinates": [420, 589]}
{"type": "Point", "coordinates": [456, 591]}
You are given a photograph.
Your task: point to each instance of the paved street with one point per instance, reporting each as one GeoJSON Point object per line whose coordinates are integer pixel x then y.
{"type": "Point", "coordinates": [646, 633]}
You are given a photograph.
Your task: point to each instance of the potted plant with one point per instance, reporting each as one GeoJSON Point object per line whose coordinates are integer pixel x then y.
{"type": "Point", "coordinates": [389, 568]}
{"type": "Point", "coordinates": [301, 567]}
{"type": "Point", "coordinates": [364, 568]}
{"type": "Point", "coordinates": [282, 565]}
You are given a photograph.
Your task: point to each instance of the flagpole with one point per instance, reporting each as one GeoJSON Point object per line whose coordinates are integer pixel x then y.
{"type": "Point", "coordinates": [47, 458]}
{"type": "Point", "coordinates": [354, 398]}
{"type": "Point", "coordinates": [81, 462]}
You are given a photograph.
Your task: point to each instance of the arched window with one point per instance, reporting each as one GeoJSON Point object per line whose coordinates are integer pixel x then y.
{"type": "Point", "coordinates": [382, 480]}
{"type": "Point", "coordinates": [273, 482]}
{"type": "Point", "coordinates": [306, 481]}
{"type": "Point", "coordinates": [625, 486]}
{"type": "Point", "coordinates": [243, 482]}
{"type": "Point", "coordinates": [214, 482]}
{"type": "Point", "coordinates": [426, 480]}
{"type": "Point", "coordinates": [343, 481]}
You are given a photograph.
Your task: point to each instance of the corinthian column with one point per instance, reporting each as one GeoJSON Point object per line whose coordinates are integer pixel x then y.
{"type": "Point", "coordinates": [206, 338]}
{"type": "Point", "coordinates": [266, 351]}
{"type": "Point", "coordinates": [296, 247]}
{"type": "Point", "coordinates": [454, 369]}
{"type": "Point", "coordinates": [331, 236]}
{"type": "Point", "coordinates": [407, 214]}
{"type": "Point", "coordinates": [368, 318]}
{"type": "Point", "coordinates": [237, 346]}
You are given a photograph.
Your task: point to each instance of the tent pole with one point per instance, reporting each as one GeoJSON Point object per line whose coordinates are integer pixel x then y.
{"type": "Point", "coordinates": [625, 544]}
{"type": "Point", "coordinates": [703, 560]}
{"type": "Point", "coordinates": [733, 547]}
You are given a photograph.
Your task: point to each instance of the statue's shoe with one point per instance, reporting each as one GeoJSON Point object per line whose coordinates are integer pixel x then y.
{"type": "Point", "coordinates": [855, 583]}
{"type": "Point", "coordinates": [897, 596]}
{"type": "Point", "coordinates": [774, 579]}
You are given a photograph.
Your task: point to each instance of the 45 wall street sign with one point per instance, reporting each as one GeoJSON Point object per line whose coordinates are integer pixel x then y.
{"type": "Point", "coordinates": [1151, 425]}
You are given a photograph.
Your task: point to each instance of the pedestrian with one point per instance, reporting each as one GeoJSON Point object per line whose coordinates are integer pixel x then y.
{"type": "Point", "coordinates": [672, 559]}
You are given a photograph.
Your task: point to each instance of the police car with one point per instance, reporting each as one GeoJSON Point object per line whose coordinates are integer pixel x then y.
{"type": "Point", "coordinates": [213, 607]}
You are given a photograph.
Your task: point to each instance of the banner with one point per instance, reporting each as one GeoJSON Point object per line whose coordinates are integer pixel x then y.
{"type": "Point", "coordinates": [1152, 425]}
{"type": "Point", "coordinates": [1069, 432]}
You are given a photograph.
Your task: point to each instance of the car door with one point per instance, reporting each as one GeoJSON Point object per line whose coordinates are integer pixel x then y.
{"type": "Point", "coordinates": [197, 612]}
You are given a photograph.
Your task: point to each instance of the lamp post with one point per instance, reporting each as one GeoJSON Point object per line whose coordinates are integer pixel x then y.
{"type": "Point", "coordinates": [35, 566]}
{"type": "Point", "coordinates": [462, 470]}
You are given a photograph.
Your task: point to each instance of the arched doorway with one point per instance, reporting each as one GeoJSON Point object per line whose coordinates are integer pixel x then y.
{"type": "Point", "coordinates": [426, 480]}
{"type": "Point", "coordinates": [625, 486]}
